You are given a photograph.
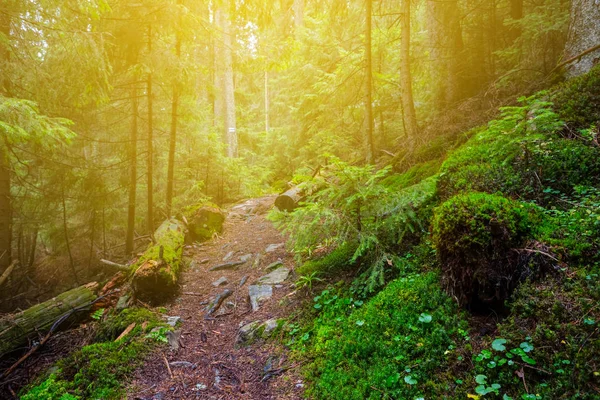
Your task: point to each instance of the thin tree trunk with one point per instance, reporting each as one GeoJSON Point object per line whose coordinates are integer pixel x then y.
{"type": "Point", "coordinates": [132, 175]}
{"type": "Point", "coordinates": [93, 233]}
{"type": "Point", "coordinates": [173, 134]}
{"type": "Point", "coordinates": [230, 119]}
{"type": "Point", "coordinates": [150, 171]}
{"type": "Point", "coordinates": [408, 104]}
{"type": "Point", "coordinates": [370, 146]}
{"type": "Point", "coordinates": [5, 196]}
{"type": "Point", "coordinates": [32, 250]}
{"type": "Point", "coordinates": [67, 242]}
{"type": "Point", "coordinates": [266, 101]}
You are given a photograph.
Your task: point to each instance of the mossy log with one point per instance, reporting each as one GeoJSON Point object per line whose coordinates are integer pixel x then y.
{"type": "Point", "coordinates": [156, 273]}
{"type": "Point", "coordinates": [204, 222]}
{"type": "Point", "coordinates": [17, 329]}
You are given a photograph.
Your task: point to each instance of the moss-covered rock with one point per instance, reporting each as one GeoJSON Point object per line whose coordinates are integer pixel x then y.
{"type": "Point", "coordinates": [474, 235]}
{"type": "Point", "coordinates": [204, 222]}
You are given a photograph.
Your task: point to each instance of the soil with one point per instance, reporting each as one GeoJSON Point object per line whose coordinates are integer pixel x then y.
{"type": "Point", "coordinates": [219, 370]}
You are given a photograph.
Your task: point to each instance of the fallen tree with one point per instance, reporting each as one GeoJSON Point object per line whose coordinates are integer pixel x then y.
{"type": "Point", "coordinates": [17, 329]}
{"type": "Point", "coordinates": [156, 272]}
{"type": "Point", "coordinates": [288, 200]}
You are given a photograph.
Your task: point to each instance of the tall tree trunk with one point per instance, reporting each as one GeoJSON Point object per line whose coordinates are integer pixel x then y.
{"type": "Point", "coordinates": [370, 146]}
{"type": "Point", "coordinates": [5, 212]}
{"type": "Point", "coordinates": [408, 104]}
{"type": "Point", "coordinates": [150, 145]}
{"type": "Point", "coordinates": [5, 197]}
{"type": "Point", "coordinates": [584, 33]}
{"type": "Point", "coordinates": [132, 173]}
{"type": "Point", "coordinates": [298, 7]}
{"type": "Point", "coordinates": [266, 101]}
{"type": "Point", "coordinates": [230, 120]}
{"type": "Point", "coordinates": [173, 133]}
{"type": "Point", "coordinates": [67, 241]}
{"type": "Point", "coordinates": [217, 72]}
{"type": "Point", "coordinates": [445, 35]}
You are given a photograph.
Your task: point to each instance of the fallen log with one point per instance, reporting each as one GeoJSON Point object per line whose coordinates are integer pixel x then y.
{"type": "Point", "coordinates": [288, 200]}
{"type": "Point", "coordinates": [17, 329]}
{"type": "Point", "coordinates": [156, 272]}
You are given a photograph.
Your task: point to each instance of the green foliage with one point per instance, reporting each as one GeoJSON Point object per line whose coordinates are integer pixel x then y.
{"type": "Point", "coordinates": [574, 228]}
{"type": "Point", "coordinates": [577, 101]}
{"type": "Point", "coordinates": [474, 235]}
{"type": "Point", "coordinates": [487, 162]}
{"type": "Point", "coordinates": [340, 211]}
{"type": "Point", "coordinates": [395, 343]}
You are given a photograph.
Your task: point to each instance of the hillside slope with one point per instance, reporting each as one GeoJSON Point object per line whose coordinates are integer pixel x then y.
{"type": "Point", "coordinates": [472, 276]}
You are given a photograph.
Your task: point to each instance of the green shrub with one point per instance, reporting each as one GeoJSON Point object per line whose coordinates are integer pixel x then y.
{"type": "Point", "coordinates": [474, 235]}
{"type": "Point", "coordinates": [397, 345]}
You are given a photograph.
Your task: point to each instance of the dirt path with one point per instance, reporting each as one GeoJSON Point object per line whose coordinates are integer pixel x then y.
{"type": "Point", "coordinates": [218, 369]}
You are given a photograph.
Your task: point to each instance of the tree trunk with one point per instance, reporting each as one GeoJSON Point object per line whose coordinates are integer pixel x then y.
{"type": "Point", "coordinates": [173, 134]}
{"type": "Point", "coordinates": [150, 145]}
{"type": "Point", "coordinates": [230, 120]}
{"type": "Point", "coordinates": [408, 105]}
{"type": "Point", "coordinates": [17, 329]}
{"type": "Point", "coordinates": [67, 241]}
{"type": "Point", "coordinates": [298, 7]}
{"type": "Point", "coordinates": [5, 213]}
{"type": "Point", "coordinates": [132, 174]}
{"type": "Point", "coordinates": [445, 35]}
{"type": "Point", "coordinates": [370, 146]}
{"type": "Point", "coordinates": [5, 196]}
{"type": "Point", "coordinates": [584, 33]}
{"type": "Point", "coordinates": [156, 273]}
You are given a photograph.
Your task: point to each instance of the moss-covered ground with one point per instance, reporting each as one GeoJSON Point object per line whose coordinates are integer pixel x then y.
{"type": "Point", "coordinates": [101, 370]}
{"type": "Point", "coordinates": [525, 189]}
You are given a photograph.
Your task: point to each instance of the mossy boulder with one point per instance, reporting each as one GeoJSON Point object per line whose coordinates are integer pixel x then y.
{"type": "Point", "coordinates": [475, 236]}
{"type": "Point", "coordinates": [204, 222]}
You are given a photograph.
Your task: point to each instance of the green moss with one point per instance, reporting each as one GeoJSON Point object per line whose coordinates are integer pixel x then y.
{"type": "Point", "coordinates": [394, 346]}
{"type": "Point", "coordinates": [577, 101]}
{"type": "Point", "coordinates": [116, 323]}
{"type": "Point", "coordinates": [414, 175]}
{"type": "Point", "coordinates": [100, 370]}
{"type": "Point", "coordinates": [334, 262]}
{"type": "Point", "coordinates": [474, 235]}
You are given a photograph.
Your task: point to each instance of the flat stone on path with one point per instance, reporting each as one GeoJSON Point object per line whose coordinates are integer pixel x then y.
{"type": "Point", "coordinates": [257, 293]}
{"type": "Point", "coordinates": [274, 265]}
{"type": "Point", "coordinates": [229, 265]}
{"type": "Point", "coordinates": [272, 247]}
{"type": "Point", "coordinates": [277, 276]}
{"type": "Point", "coordinates": [221, 281]}
{"type": "Point", "coordinates": [172, 321]}
{"type": "Point", "coordinates": [228, 256]}
{"type": "Point", "coordinates": [246, 257]}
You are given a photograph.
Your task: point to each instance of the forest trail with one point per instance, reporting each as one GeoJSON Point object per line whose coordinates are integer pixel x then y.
{"type": "Point", "coordinates": [209, 365]}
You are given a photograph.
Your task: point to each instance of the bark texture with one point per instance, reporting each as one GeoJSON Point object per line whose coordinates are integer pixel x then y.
{"type": "Point", "coordinates": [17, 329]}
{"type": "Point", "coordinates": [156, 273]}
{"type": "Point", "coordinates": [584, 33]}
